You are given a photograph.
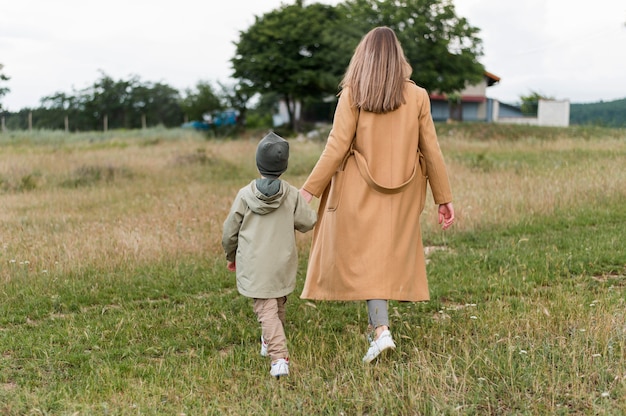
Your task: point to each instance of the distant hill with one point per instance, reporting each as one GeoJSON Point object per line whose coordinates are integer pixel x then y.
{"type": "Point", "coordinates": [603, 113]}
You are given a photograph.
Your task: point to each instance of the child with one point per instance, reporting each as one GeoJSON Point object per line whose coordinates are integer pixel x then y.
{"type": "Point", "coordinates": [260, 245]}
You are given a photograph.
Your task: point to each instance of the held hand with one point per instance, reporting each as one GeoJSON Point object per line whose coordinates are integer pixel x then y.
{"type": "Point", "coordinates": [306, 195]}
{"type": "Point", "coordinates": [231, 266]}
{"type": "Point", "coordinates": [446, 215]}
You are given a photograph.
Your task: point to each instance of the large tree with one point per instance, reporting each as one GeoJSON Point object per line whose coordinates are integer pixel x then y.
{"type": "Point", "coordinates": [293, 51]}
{"type": "Point", "coordinates": [443, 48]}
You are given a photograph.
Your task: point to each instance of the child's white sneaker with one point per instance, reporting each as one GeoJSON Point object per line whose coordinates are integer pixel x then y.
{"type": "Point", "coordinates": [264, 352]}
{"type": "Point", "coordinates": [384, 342]}
{"type": "Point", "coordinates": [280, 367]}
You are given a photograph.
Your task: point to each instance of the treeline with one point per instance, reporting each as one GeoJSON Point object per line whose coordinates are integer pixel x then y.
{"type": "Point", "coordinates": [606, 114]}
{"type": "Point", "coordinates": [122, 104]}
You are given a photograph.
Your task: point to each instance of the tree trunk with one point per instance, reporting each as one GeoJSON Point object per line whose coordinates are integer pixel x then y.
{"type": "Point", "coordinates": [456, 111]}
{"type": "Point", "coordinates": [290, 112]}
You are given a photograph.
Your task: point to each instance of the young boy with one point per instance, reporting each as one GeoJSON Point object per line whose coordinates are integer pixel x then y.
{"type": "Point", "coordinates": [260, 245]}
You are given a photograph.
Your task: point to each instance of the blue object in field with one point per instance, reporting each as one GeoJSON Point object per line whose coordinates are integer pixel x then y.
{"type": "Point", "coordinates": [197, 125]}
{"type": "Point", "coordinates": [224, 118]}
{"type": "Point", "coordinates": [215, 119]}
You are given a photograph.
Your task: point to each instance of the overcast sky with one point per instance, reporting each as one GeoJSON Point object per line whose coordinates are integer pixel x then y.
{"type": "Point", "coordinates": [565, 49]}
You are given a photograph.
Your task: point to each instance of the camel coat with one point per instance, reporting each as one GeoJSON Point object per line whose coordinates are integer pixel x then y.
{"type": "Point", "coordinates": [367, 242]}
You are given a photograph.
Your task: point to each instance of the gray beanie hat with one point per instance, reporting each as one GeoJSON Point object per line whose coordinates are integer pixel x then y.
{"type": "Point", "coordinates": [272, 155]}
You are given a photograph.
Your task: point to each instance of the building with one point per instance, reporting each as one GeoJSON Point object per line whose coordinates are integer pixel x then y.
{"type": "Point", "coordinates": [472, 104]}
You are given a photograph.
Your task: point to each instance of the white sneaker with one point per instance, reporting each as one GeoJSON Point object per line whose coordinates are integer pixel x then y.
{"type": "Point", "coordinates": [384, 342]}
{"type": "Point", "coordinates": [280, 368]}
{"type": "Point", "coordinates": [264, 352]}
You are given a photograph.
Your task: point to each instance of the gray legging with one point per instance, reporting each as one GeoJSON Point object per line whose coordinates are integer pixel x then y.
{"type": "Point", "coordinates": [377, 312]}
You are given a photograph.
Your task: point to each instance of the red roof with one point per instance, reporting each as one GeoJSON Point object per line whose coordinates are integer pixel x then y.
{"type": "Point", "coordinates": [491, 78]}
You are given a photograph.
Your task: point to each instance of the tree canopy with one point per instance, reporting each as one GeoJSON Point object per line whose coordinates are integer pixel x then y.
{"type": "Point", "coordinates": [292, 51]}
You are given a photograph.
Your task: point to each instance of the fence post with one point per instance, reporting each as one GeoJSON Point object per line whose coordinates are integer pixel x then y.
{"type": "Point", "coordinates": [30, 121]}
{"type": "Point", "coordinates": [143, 121]}
{"type": "Point", "coordinates": [4, 126]}
{"type": "Point", "coordinates": [106, 123]}
{"type": "Point", "coordinates": [67, 124]}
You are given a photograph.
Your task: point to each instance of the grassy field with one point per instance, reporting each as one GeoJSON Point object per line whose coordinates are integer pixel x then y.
{"type": "Point", "coordinates": [115, 299]}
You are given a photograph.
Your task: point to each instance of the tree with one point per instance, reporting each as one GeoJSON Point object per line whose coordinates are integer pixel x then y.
{"type": "Point", "coordinates": [200, 101]}
{"type": "Point", "coordinates": [442, 48]}
{"type": "Point", "coordinates": [156, 103]}
{"type": "Point", "coordinates": [110, 99]}
{"type": "Point", "coordinates": [530, 103]}
{"type": "Point", "coordinates": [3, 90]}
{"type": "Point", "coordinates": [236, 96]}
{"type": "Point", "coordinates": [292, 51]}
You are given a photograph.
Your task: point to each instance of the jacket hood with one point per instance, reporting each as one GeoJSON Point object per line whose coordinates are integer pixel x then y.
{"type": "Point", "coordinates": [262, 204]}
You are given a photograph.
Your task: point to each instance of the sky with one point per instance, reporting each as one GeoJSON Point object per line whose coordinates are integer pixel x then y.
{"type": "Point", "coordinates": [563, 49]}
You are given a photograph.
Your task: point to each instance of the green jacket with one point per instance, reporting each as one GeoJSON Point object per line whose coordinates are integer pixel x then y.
{"type": "Point", "coordinates": [259, 235]}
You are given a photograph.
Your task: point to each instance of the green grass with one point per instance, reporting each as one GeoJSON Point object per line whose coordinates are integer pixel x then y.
{"type": "Point", "coordinates": [522, 321]}
{"type": "Point", "coordinates": [527, 313]}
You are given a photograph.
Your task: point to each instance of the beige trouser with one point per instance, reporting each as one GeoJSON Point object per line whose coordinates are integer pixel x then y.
{"type": "Point", "coordinates": [271, 315]}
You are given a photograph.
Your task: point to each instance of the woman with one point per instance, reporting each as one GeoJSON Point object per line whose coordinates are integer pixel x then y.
{"type": "Point", "coordinates": [380, 153]}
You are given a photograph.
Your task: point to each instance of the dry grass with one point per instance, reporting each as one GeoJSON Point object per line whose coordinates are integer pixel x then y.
{"type": "Point", "coordinates": [119, 202]}
{"type": "Point", "coordinates": [158, 200]}
{"type": "Point", "coordinates": [505, 182]}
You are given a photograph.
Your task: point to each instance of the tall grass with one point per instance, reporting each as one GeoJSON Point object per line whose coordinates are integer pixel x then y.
{"type": "Point", "coordinates": [115, 298]}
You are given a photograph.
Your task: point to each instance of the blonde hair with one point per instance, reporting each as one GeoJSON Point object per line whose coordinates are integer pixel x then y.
{"type": "Point", "coordinates": [377, 72]}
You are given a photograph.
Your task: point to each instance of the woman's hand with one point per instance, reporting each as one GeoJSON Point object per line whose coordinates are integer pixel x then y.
{"type": "Point", "coordinates": [446, 215]}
